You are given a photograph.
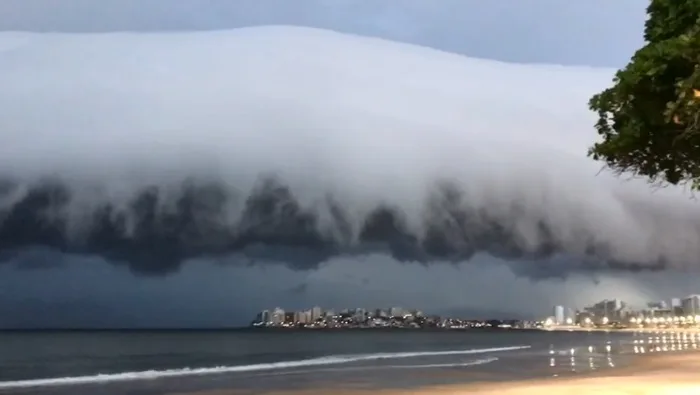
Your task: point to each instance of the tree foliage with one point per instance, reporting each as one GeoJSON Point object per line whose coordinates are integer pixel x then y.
{"type": "Point", "coordinates": [649, 119]}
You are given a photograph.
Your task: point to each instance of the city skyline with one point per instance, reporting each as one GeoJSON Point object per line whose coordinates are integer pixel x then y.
{"type": "Point", "coordinates": [607, 309]}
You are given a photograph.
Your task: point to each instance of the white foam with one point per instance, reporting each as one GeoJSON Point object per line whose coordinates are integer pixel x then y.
{"type": "Point", "coordinates": [322, 361]}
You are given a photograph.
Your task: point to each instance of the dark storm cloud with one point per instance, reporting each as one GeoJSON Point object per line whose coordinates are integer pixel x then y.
{"type": "Point", "coordinates": [274, 227]}
{"type": "Point", "coordinates": [299, 289]}
{"type": "Point", "coordinates": [153, 149]}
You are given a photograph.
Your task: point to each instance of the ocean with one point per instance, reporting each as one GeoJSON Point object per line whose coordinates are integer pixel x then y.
{"type": "Point", "coordinates": [259, 361]}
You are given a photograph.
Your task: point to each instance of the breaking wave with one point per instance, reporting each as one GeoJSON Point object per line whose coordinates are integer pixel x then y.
{"type": "Point", "coordinates": [322, 361]}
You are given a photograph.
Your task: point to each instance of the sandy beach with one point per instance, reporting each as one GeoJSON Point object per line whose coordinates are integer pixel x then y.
{"type": "Point", "coordinates": [668, 374]}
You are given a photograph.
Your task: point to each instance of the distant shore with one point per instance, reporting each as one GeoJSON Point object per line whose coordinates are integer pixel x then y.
{"type": "Point", "coordinates": [668, 374]}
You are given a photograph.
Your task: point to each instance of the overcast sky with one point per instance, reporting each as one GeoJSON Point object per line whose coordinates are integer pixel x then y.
{"type": "Point", "coordinates": [84, 292]}
{"type": "Point", "coordinates": [590, 32]}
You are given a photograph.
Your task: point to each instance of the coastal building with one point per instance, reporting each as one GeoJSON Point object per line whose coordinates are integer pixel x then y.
{"type": "Point", "coordinates": [658, 310]}
{"type": "Point", "coordinates": [676, 307]}
{"type": "Point", "coordinates": [263, 317]}
{"type": "Point", "coordinates": [691, 305]}
{"type": "Point", "coordinates": [316, 313]}
{"type": "Point", "coordinates": [277, 316]}
{"type": "Point", "coordinates": [570, 316]}
{"type": "Point", "coordinates": [290, 317]}
{"type": "Point", "coordinates": [584, 318]}
{"type": "Point", "coordinates": [360, 315]}
{"type": "Point", "coordinates": [396, 312]}
{"type": "Point", "coordinates": [559, 318]}
{"type": "Point", "coordinates": [608, 310]}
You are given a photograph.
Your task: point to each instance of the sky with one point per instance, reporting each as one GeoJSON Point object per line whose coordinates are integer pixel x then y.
{"type": "Point", "coordinates": [79, 291]}
{"type": "Point", "coordinates": [592, 32]}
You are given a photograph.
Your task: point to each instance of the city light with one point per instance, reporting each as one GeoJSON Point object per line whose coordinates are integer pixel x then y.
{"type": "Point", "coordinates": [611, 314]}
{"type": "Point", "coordinates": [608, 315]}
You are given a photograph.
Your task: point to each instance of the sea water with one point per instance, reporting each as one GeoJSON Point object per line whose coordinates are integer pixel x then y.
{"type": "Point", "coordinates": [259, 360]}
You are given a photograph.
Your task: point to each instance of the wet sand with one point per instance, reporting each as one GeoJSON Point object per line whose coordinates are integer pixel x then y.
{"type": "Point", "coordinates": [668, 374]}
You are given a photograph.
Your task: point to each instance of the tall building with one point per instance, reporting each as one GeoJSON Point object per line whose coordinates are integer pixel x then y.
{"type": "Point", "coordinates": [263, 317]}
{"type": "Point", "coordinates": [676, 307]}
{"type": "Point", "coordinates": [302, 317]}
{"type": "Point", "coordinates": [290, 317]}
{"type": "Point", "coordinates": [559, 318]}
{"type": "Point", "coordinates": [277, 316]}
{"type": "Point", "coordinates": [691, 305]}
{"type": "Point", "coordinates": [360, 315]}
{"type": "Point", "coordinates": [316, 313]}
{"type": "Point", "coordinates": [396, 312]}
{"type": "Point", "coordinates": [608, 310]}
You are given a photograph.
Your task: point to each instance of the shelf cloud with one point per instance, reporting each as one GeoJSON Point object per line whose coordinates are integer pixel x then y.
{"type": "Point", "coordinates": [296, 145]}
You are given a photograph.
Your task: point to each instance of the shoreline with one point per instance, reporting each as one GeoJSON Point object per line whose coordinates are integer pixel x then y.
{"type": "Point", "coordinates": [621, 330]}
{"type": "Point", "coordinates": [667, 374]}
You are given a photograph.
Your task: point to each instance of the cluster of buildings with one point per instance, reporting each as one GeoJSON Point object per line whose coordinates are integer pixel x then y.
{"type": "Point", "coordinates": [616, 313]}
{"type": "Point", "coordinates": [609, 313]}
{"type": "Point", "coordinates": [316, 317]}
{"type": "Point", "coordinates": [394, 317]}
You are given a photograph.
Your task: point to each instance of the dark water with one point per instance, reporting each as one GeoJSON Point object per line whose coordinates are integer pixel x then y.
{"type": "Point", "coordinates": [158, 362]}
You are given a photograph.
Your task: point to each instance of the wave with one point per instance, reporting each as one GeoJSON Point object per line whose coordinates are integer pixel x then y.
{"type": "Point", "coordinates": [390, 367]}
{"type": "Point", "coordinates": [322, 361]}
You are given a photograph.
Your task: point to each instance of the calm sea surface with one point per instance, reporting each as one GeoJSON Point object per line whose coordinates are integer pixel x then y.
{"type": "Point", "coordinates": [257, 361]}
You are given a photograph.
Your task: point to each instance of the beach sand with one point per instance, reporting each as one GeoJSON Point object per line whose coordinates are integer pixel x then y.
{"type": "Point", "coordinates": [668, 374]}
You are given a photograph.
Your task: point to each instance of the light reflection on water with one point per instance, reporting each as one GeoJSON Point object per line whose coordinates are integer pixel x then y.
{"type": "Point", "coordinates": [604, 355]}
